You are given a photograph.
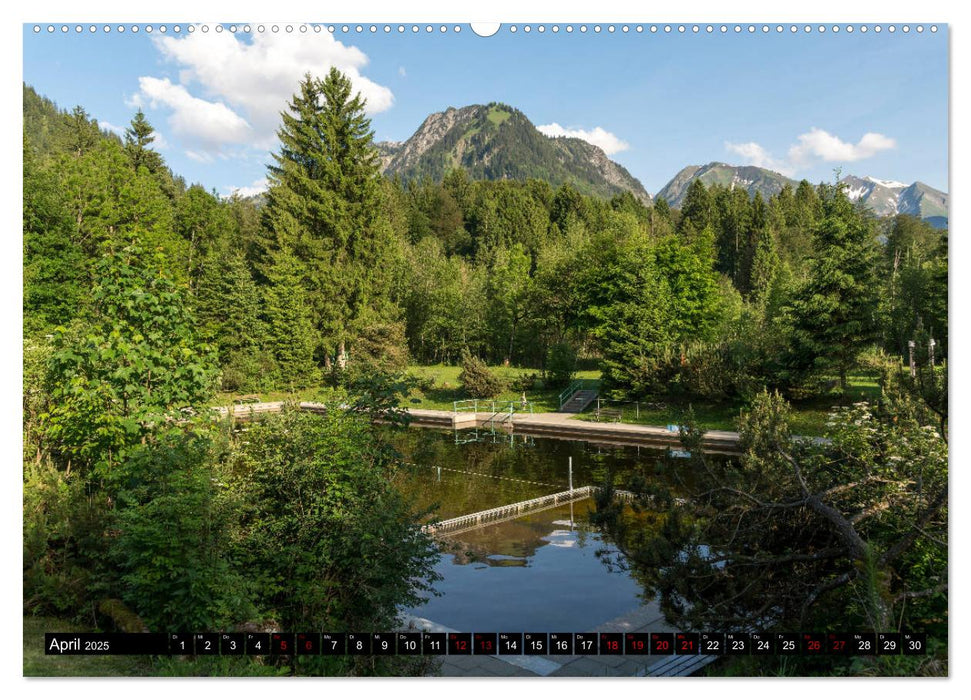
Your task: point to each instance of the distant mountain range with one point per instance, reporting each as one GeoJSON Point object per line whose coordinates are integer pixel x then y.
{"type": "Point", "coordinates": [749, 177]}
{"type": "Point", "coordinates": [498, 142]}
{"type": "Point", "coordinates": [884, 197]}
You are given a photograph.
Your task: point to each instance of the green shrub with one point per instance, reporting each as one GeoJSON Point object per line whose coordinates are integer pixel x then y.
{"type": "Point", "coordinates": [561, 364]}
{"type": "Point", "coordinates": [477, 380]}
{"type": "Point", "coordinates": [525, 382]}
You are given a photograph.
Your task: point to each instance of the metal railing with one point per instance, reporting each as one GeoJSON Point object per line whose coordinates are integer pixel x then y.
{"type": "Point", "coordinates": [510, 407]}
{"type": "Point", "coordinates": [465, 405]}
{"type": "Point", "coordinates": [574, 387]}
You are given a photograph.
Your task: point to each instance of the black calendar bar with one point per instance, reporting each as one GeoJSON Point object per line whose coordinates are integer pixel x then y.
{"type": "Point", "coordinates": [104, 644]}
{"type": "Point", "coordinates": [485, 643]}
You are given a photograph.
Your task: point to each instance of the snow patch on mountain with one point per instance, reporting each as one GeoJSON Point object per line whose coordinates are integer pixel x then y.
{"type": "Point", "coordinates": [891, 184]}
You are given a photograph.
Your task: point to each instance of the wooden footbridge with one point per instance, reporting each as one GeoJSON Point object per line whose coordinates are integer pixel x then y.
{"type": "Point", "coordinates": [494, 516]}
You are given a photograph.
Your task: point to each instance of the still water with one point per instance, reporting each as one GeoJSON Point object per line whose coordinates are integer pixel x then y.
{"type": "Point", "coordinates": [542, 572]}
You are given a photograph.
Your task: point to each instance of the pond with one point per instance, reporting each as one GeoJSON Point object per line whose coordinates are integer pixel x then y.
{"type": "Point", "coordinates": [540, 572]}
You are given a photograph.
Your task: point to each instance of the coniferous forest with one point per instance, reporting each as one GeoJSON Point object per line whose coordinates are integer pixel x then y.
{"type": "Point", "coordinates": [147, 300]}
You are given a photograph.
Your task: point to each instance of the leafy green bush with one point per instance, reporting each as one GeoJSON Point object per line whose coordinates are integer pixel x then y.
{"type": "Point", "coordinates": [525, 382]}
{"type": "Point", "coordinates": [561, 364]}
{"type": "Point", "coordinates": [174, 519]}
{"type": "Point", "coordinates": [477, 380]}
{"type": "Point", "coordinates": [328, 540]}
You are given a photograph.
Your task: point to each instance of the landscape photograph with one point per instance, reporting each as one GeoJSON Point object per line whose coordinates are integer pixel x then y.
{"type": "Point", "coordinates": [473, 351]}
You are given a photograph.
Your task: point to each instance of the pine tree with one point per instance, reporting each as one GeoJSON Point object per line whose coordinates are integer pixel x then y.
{"type": "Point", "coordinates": [138, 137]}
{"type": "Point", "coordinates": [80, 132]}
{"type": "Point", "coordinates": [698, 207]}
{"type": "Point", "coordinates": [290, 334]}
{"type": "Point", "coordinates": [834, 313]}
{"type": "Point", "coordinates": [227, 304]}
{"type": "Point", "coordinates": [324, 204]}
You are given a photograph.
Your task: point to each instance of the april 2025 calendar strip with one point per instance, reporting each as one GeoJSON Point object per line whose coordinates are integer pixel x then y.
{"type": "Point", "coordinates": [484, 643]}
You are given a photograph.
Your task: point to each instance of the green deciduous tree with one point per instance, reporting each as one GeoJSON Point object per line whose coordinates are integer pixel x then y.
{"type": "Point", "coordinates": [114, 379]}
{"type": "Point", "coordinates": [801, 534]}
{"type": "Point", "coordinates": [174, 520]}
{"type": "Point", "coordinates": [328, 540]}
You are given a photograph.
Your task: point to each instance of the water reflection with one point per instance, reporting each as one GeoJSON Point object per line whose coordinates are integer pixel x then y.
{"type": "Point", "coordinates": [547, 571]}
{"type": "Point", "coordinates": [534, 574]}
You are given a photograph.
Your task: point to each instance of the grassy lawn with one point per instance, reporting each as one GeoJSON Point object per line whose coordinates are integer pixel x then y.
{"type": "Point", "coordinates": [441, 390]}
{"type": "Point", "coordinates": [808, 416]}
{"type": "Point", "coordinates": [446, 389]}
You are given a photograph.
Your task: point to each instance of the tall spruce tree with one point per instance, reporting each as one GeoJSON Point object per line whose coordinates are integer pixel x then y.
{"type": "Point", "coordinates": [324, 204]}
{"type": "Point", "coordinates": [834, 313]}
{"type": "Point", "coordinates": [698, 210]}
{"type": "Point", "coordinates": [290, 336]}
{"type": "Point", "coordinates": [138, 139]}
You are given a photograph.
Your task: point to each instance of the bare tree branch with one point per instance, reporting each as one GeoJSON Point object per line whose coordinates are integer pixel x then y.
{"type": "Point", "coordinates": [921, 594]}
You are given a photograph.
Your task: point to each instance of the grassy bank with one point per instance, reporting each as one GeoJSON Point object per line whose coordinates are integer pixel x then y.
{"type": "Point", "coordinates": [36, 663]}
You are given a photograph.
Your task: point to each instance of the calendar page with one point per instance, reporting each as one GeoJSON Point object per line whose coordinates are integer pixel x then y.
{"type": "Point", "coordinates": [521, 349]}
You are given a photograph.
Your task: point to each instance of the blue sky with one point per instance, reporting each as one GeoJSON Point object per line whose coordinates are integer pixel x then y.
{"type": "Point", "coordinates": [804, 104]}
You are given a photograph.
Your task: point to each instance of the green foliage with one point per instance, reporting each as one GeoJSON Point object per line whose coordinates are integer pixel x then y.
{"type": "Point", "coordinates": [290, 336]}
{"type": "Point", "coordinates": [130, 369]}
{"type": "Point", "coordinates": [561, 364]}
{"type": "Point", "coordinates": [330, 543]}
{"type": "Point", "coordinates": [509, 291]}
{"type": "Point", "coordinates": [477, 380]}
{"type": "Point", "coordinates": [803, 534]}
{"type": "Point", "coordinates": [228, 307]}
{"type": "Point", "coordinates": [324, 206]}
{"type": "Point", "coordinates": [647, 296]}
{"type": "Point", "coordinates": [443, 304]}
{"type": "Point", "coordinates": [54, 263]}
{"type": "Point", "coordinates": [64, 549]}
{"type": "Point", "coordinates": [138, 139]}
{"type": "Point", "coordinates": [381, 346]}
{"type": "Point", "coordinates": [174, 520]}
{"type": "Point", "coordinates": [833, 314]}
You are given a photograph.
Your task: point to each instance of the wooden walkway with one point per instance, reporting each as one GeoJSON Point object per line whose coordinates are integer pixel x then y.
{"type": "Point", "coordinates": [494, 516]}
{"type": "Point", "coordinates": [555, 425]}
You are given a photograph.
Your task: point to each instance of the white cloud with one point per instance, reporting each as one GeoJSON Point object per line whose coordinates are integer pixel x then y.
{"type": "Point", "coordinates": [199, 156]}
{"type": "Point", "coordinates": [816, 145]}
{"type": "Point", "coordinates": [754, 154]}
{"type": "Point", "coordinates": [598, 136]}
{"type": "Point", "coordinates": [254, 80]}
{"type": "Point", "coordinates": [257, 187]}
{"type": "Point", "coordinates": [120, 130]}
{"type": "Point", "coordinates": [822, 145]}
{"type": "Point", "coordinates": [206, 125]}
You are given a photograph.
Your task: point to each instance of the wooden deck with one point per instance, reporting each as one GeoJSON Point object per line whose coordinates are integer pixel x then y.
{"type": "Point", "coordinates": [555, 425]}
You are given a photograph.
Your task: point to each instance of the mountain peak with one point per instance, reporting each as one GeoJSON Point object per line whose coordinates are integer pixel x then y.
{"type": "Point", "coordinates": [748, 177]}
{"type": "Point", "coordinates": [498, 142]}
{"type": "Point", "coordinates": [891, 184]}
{"type": "Point", "coordinates": [889, 197]}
